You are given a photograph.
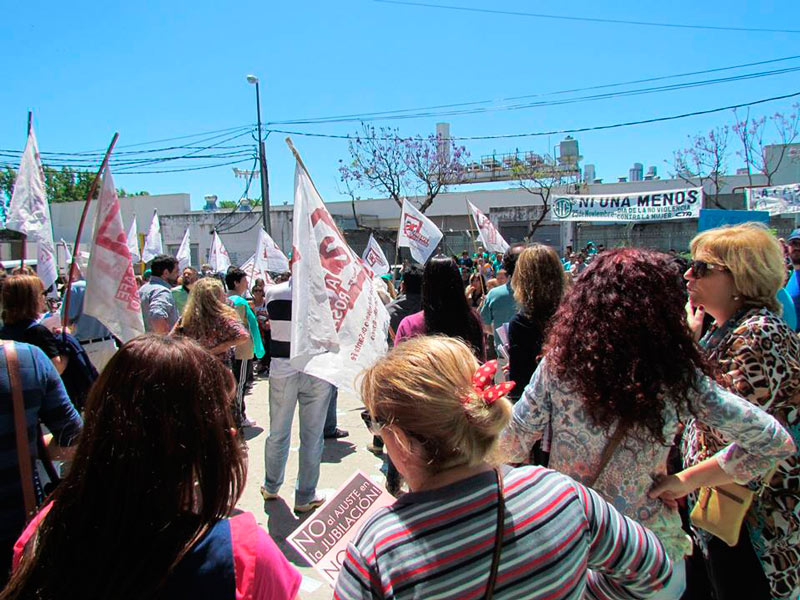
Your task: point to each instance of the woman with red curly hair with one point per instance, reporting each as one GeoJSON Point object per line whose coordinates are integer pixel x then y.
{"type": "Point", "coordinates": [621, 373]}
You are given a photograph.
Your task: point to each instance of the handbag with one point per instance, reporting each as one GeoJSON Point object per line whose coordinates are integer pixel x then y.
{"type": "Point", "coordinates": [720, 510]}
{"type": "Point", "coordinates": [24, 460]}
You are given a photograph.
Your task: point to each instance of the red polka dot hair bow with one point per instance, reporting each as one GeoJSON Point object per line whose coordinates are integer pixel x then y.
{"type": "Point", "coordinates": [483, 379]}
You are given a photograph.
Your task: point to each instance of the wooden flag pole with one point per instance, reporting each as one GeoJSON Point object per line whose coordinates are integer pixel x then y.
{"type": "Point", "coordinates": [470, 219]}
{"type": "Point", "coordinates": [76, 251]}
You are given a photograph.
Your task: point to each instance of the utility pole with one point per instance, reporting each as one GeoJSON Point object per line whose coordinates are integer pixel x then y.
{"type": "Point", "coordinates": [262, 161]}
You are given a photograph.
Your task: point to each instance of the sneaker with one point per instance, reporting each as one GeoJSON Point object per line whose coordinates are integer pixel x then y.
{"type": "Point", "coordinates": [336, 434]}
{"type": "Point", "coordinates": [376, 450]}
{"type": "Point", "coordinates": [313, 505]}
{"type": "Point", "coordinates": [268, 495]}
{"type": "Point", "coordinates": [248, 423]}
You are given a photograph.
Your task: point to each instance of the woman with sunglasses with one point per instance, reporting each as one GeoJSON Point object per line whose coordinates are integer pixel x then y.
{"type": "Point", "coordinates": [469, 529]}
{"type": "Point", "coordinates": [619, 377]}
{"type": "Point", "coordinates": [734, 276]}
{"type": "Point", "coordinates": [147, 509]}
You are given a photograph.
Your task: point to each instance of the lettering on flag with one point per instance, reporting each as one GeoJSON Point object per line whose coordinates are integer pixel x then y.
{"type": "Point", "coordinates": [269, 255]}
{"type": "Point", "coordinates": [218, 258]}
{"type": "Point", "coordinates": [418, 233]}
{"type": "Point", "coordinates": [322, 539]}
{"type": "Point", "coordinates": [374, 257]}
{"type": "Point", "coordinates": [339, 324]}
{"type": "Point", "coordinates": [112, 296]}
{"type": "Point", "coordinates": [487, 232]}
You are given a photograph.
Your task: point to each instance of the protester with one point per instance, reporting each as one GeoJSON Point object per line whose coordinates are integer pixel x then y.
{"type": "Point", "coordinates": [610, 423]}
{"type": "Point", "coordinates": [410, 299]}
{"type": "Point", "coordinates": [259, 306]}
{"type": "Point", "coordinates": [539, 283]}
{"type": "Point", "coordinates": [547, 534]}
{"type": "Point", "coordinates": [493, 283]}
{"type": "Point", "coordinates": [793, 285]}
{"type": "Point", "coordinates": [499, 306]}
{"type": "Point", "coordinates": [577, 264]}
{"type": "Point", "coordinates": [475, 290]}
{"type": "Point", "coordinates": [93, 336]}
{"type": "Point", "coordinates": [145, 511]}
{"type": "Point", "coordinates": [502, 276]}
{"type": "Point", "coordinates": [44, 399]}
{"type": "Point", "coordinates": [444, 308]}
{"type": "Point", "coordinates": [211, 322]}
{"type": "Point", "coordinates": [181, 291]}
{"type": "Point", "coordinates": [23, 303]}
{"type": "Point", "coordinates": [288, 388]}
{"type": "Point", "coordinates": [159, 311]}
{"type": "Point", "coordinates": [734, 276]}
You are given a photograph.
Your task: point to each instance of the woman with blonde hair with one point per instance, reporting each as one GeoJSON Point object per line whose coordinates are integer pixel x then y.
{"type": "Point", "coordinates": [210, 321]}
{"type": "Point", "coordinates": [734, 276]}
{"type": "Point", "coordinates": [469, 529]}
{"type": "Point", "coordinates": [538, 282]}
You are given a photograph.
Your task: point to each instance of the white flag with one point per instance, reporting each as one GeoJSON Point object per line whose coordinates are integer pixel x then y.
{"type": "Point", "coordinates": [133, 242]}
{"type": "Point", "coordinates": [152, 243]}
{"type": "Point", "coordinates": [29, 212]}
{"type": "Point", "coordinates": [487, 232]}
{"type": "Point", "coordinates": [112, 296]}
{"type": "Point", "coordinates": [218, 258]}
{"type": "Point", "coordinates": [76, 273]}
{"type": "Point", "coordinates": [339, 324]}
{"type": "Point", "coordinates": [184, 254]}
{"type": "Point", "coordinates": [269, 256]}
{"type": "Point", "coordinates": [418, 233]}
{"type": "Point", "coordinates": [375, 258]}
{"type": "Point", "coordinates": [253, 273]}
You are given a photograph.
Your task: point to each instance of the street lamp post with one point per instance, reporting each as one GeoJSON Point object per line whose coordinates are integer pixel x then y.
{"type": "Point", "coordinates": [262, 161]}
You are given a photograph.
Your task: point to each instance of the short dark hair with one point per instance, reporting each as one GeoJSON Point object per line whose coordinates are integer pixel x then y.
{"type": "Point", "coordinates": [233, 276]}
{"type": "Point", "coordinates": [510, 257]}
{"type": "Point", "coordinates": [161, 263]}
{"type": "Point", "coordinates": [412, 279]}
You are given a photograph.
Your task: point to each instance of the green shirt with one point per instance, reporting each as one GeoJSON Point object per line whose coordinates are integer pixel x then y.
{"type": "Point", "coordinates": [252, 324]}
{"type": "Point", "coordinates": [181, 296]}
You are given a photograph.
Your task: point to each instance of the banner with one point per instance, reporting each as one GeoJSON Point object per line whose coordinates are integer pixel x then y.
{"type": "Point", "coordinates": [374, 257]}
{"type": "Point", "coordinates": [487, 232]}
{"type": "Point", "coordinates": [776, 199]}
{"type": "Point", "coordinates": [184, 254]}
{"type": "Point", "coordinates": [417, 233]}
{"type": "Point", "coordinates": [339, 324]}
{"type": "Point", "coordinates": [29, 212]}
{"type": "Point", "coordinates": [153, 245]}
{"type": "Point", "coordinates": [112, 296]}
{"type": "Point", "coordinates": [269, 256]}
{"type": "Point", "coordinates": [660, 205]}
{"type": "Point", "coordinates": [218, 257]}
{"type": "Point", "coordinates": [133, 242]}
{"type": "Point", "coordinates": [322, 539]}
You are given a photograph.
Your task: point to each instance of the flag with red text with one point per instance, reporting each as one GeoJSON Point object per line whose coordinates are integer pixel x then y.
{"type": "Point", "coordinates": [487, 232]}
{"type": "Point", "coordinates": [418, 233]}
{"type": "Point", "coordinates": [112, 296]}
{"type": "Point", "coordinates": [339, 324]}
{"type": "Point", "coordinates": [218, 257]}
{"type": "Point", "coordinates": [375, 258]}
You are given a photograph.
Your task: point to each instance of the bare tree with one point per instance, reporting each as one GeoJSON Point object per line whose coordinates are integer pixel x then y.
{"type": "Point", "coordinates": [781, 129]}
{"type": "Point", "coordinates": [541, 176]}
{"type": "Point", "coordinates": [705, 160]}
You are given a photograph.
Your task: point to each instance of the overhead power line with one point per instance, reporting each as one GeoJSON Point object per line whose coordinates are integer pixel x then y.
{"type": "Point", "coordinates": [514, 13]}
{"type": "Point", "coordinates": [561, 131]}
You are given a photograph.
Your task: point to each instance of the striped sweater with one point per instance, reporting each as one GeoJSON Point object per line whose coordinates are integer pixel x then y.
{"type": "Point", "coordinates": [561, 540]}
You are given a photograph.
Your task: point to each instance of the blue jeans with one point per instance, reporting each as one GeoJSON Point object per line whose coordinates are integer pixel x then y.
{"type": "Point", "coordinates": [312, 395]}
{"type": "Point", "coordinates": [330, 418]}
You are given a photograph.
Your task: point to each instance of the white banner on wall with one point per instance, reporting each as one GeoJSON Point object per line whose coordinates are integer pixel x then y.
{"type": "Point", "coordinates": [659, 205]}
{"type": "Point", "coordinates": [776, 199]}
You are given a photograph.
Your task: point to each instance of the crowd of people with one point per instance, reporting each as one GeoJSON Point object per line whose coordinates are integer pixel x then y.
{"type": "Point", "coordinates": [553, 427]}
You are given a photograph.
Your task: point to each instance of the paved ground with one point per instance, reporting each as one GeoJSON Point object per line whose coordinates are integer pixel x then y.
{"type": "Point", "coordinates": [341, 458]}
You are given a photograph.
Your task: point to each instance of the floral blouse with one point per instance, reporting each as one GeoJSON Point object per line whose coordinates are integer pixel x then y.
{"type": "Point", "coordinates": [576, 447]}
{"type": "Point", "coordinates": [758, 356]}
{"type": "Point", "coordinates": [227, 329]}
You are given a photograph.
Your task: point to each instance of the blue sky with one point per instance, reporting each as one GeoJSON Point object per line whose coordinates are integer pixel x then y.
{"type": "Point", "coordinates": [155, 70]}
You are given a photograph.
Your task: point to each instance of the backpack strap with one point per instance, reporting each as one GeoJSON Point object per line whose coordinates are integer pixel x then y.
{"type": "Point", "coordinates": [20, 430]}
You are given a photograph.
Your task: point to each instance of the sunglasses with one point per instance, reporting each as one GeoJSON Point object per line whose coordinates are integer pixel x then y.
{"type": "Point", "coordinates": [700, 268]}
{"type": "Point", "coordinates": [374, 425]}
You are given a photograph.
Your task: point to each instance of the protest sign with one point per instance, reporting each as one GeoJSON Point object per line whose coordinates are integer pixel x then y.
{"type": "Point", "coordinates": [374, 257]}
{"type": "Point", "coordinates": [776, 199]}
{"type": "Point", "coordinates": [418, 233]}
{"type": "Point", "coordinates": [322, 539]}
{"type": "Point", "coordinates": [339, 324]}
{"type": "Point", "coordinates": [487, 232]}
{"type": "Point", "coordinates": [657, 205]}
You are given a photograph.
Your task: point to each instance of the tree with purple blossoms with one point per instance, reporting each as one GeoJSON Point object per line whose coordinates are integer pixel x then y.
{"type": "Point", "coordinates": [541, 175]}
{"type": "Point", "coordinates": [752, 133]}
{"type": "Point", "coordinates": [704, 161]}
{"type": "Point", "coordinates": [384, 161]}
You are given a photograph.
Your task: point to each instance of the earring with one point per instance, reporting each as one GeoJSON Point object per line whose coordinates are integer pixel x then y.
{"type": "Point", "coordinates": [736, 297]}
